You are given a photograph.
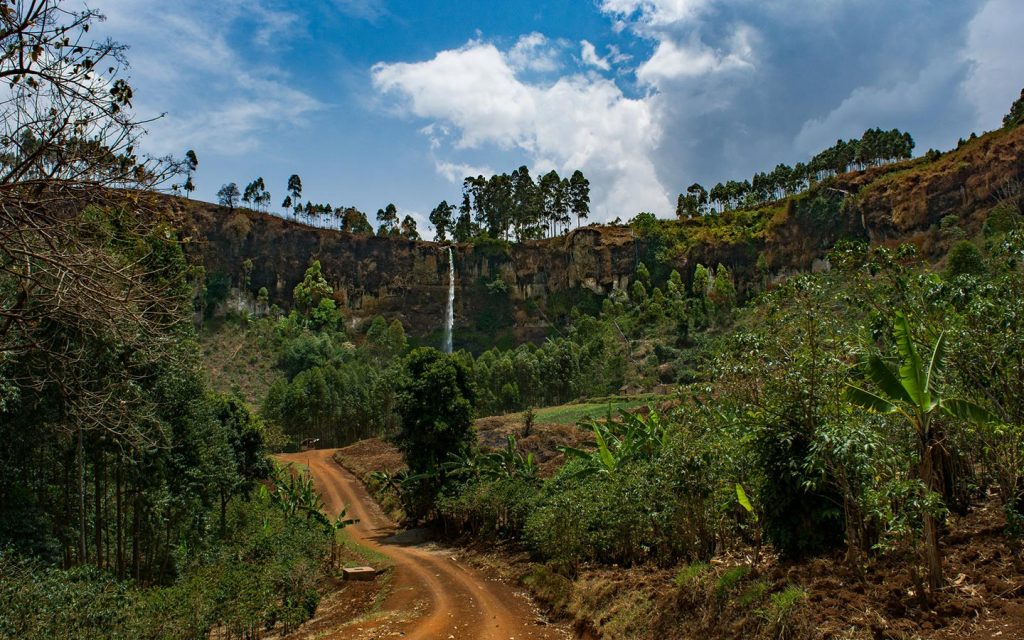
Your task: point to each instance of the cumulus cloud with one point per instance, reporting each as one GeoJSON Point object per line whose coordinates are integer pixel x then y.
{"type": "Point", "coordinates": [577, 121]}
{"type": "Point", "coordinates": [672, 60]}
{"type": "Point", "coordinates": [654, 13]}
{"type": "Point", "coordinates": [588, 53]}
{"type": "Point", "coordinates": [455, 172]}
{"type": "Point", "coordinates": [534, 52]}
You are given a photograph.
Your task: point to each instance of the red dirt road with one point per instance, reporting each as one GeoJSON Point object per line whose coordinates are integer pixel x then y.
{"type": "Point", "coordinates": [432, 596]}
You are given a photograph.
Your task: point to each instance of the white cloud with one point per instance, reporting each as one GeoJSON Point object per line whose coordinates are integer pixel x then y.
{"type": "Point", "coordinates": [534, 52]}
{"type": "Point", "coordinates": [589, 55]}
{"type": "Point", "coordinates": [994, 51]}
{"type": "Point", "coordinates": [456, 172]}
{"type": "Point", "coordinates": [694, 58]}
{"type": "Point", "coordinates": [654, 13]}
{"type": "Point", "coordinates": [234, 102]}
{"type": "Point", "coordinates": [575, 122]}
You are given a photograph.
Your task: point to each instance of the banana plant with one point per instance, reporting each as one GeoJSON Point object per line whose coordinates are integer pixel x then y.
{"type": "Point", "coordinates": [629, 438]}
{"type": "Point", "coordinates": [744, 500]}
{"type": "Point", "coordinates": [912, 390]}
{"type": "Point", "coordinates": [336, 525]}
{"type": "Point", "coordinates": [510, 463]}
{"type": "Point", "coordinates": [507, 463]}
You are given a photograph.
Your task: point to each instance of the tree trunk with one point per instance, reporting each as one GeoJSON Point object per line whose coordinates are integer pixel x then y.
{"type": "Point", "coordinates": [933, 558]}
{"type": "Point", "coordinates": [119, 525]}
{"type": "Point", "coordinates": [136, 527]}
{"type": "Point", "coordinates": [82, 558]}
{"type": "Point", "coordinates": [97, 471]}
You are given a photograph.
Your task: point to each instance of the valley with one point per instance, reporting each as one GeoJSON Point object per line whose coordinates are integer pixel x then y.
{"type": "Point", "coordinates": [665, 362]}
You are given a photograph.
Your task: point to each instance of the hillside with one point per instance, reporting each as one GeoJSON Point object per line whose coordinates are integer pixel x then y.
{"type": "Point", "coordinates": [509, 293]}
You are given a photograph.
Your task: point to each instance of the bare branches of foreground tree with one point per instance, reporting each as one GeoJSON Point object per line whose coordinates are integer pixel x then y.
{"type": "Point", "coordinates": [68, 148]}
{"type": "Point", "coordinates": [91, 283]}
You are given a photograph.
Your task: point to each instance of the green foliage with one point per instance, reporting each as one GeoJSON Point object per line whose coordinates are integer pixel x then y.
{"type": "Point", "coordinates": [313, 288]}
{"type": "Point", "coordinates": [218, 285]}
{"type": "Point", "coordinates": [912, 390]}
{"type": "Point", "coordinates": [688, 576]}
{"type": "Point", "coordinates": [276, 585]}
{"type": "Point", "coordinates": [1016, 114]}
{"type": "Point", "coordinates": [489, 508]}
{"type": "Point", "coordinates": [435, 403]}
{"type": "Point", "coordinates": [630, 438]}
{"type": "Point", "coordinates": [779, 615]}
{"type": "Point", "coordinates": [964, 259]}
{"type": "Point", "coordinates": [730, 579]}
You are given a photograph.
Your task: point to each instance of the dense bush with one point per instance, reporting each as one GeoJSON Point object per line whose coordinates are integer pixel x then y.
{"type": "Point", "coordinates": [488, 509]}
{"type": "Point", "coordinates": [264, 574]}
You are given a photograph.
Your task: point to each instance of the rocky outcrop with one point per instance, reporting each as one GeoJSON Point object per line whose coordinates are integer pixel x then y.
{"type": "Point", "coordinates": [405, 279]}
{"type": "Point", "coordinates": [518, 291]}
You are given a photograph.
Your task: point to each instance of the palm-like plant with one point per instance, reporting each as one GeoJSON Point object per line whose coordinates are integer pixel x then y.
{"type": "Point", "coordinates": [631, 437]}
{"type": "Point", "coordinates": [507, 463]}
{"type": "Point", "coordinates": [913, 391]}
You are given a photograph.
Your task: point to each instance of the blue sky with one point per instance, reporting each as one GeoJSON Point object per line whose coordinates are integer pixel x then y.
{"type": "Point", "coordinates": [377, 101]}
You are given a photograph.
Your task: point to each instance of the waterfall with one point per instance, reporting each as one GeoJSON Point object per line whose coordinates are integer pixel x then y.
{"type": "Point", "coordinates": [449, 323]}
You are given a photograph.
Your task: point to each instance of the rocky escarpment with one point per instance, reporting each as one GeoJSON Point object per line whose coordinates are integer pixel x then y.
{"type": "Point", "coordinates": [501, 288]}
{"type": "Point", "coordinates": [509, 293]}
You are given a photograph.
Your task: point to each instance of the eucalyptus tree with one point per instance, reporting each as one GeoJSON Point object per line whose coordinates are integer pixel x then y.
{"type": "Point", "coordinates": [441, 218]}
{"type": "Point", "coordinates": [191, 164]}
{"type": "Point", "coordinates": [295, 188]}
{"type": "Point", "coordinates": [579, 196]}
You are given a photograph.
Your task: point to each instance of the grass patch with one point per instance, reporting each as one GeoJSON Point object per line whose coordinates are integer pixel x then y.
{"type": "Point", "coordinates": [753, 594]}
{"type": "Point", "coordinates": [354, 554]}
{"type": "Point", "coordinates": [594, 408]}
{"type": "Point", "coordinates": [778, 615]}
{"type": "Point", "coordinates": [690, 574]}
{"type": "Point", "coordinates": [729, 580]}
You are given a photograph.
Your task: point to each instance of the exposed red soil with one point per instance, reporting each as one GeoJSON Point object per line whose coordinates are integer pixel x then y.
{"type": "Point", "coordinates": [432, 594]}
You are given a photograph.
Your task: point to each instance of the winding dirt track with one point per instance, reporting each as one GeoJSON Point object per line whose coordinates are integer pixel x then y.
{"type": "Point", "coordinates": [433, 596]}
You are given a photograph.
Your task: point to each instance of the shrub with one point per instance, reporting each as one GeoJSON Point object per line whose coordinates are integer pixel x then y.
{"type": "Point", "coordinates": [964, 259]}
{"type": "Point", "coordinates": [489, 509]}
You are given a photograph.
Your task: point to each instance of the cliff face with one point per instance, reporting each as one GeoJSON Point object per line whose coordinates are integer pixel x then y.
{"type": "Point", "coordinates": [500, 287]}
{"type": "Point", "coordinates": [510, 293]}
{"type": "Point", "coordinates": [903, 202]}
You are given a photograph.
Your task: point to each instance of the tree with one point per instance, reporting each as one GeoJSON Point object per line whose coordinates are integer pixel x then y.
{"type": "Point", "coordinates": [256, 193]}
{"type": "Point", "coordinates": [408, 228]}
{"type": "Point", "coordinates": [287, 204]}
{"type": "Point", "coordinates": [912, 391]}
{"type": "Point", "coordinates": [313, 288]}
{"type": "Point", "coordinates": [579, 196]}
{"type": "Point", "coordinates": [191, 164]}
{"type": "Point", "coordinates": [1016, 114]}
{"type": "Point", "coordinates": [436, 401]}
{"type": "Point", "coordinates": [551, 198]}
{"type": "Point", "coordinates": [67, 134]}
{"type": "Point", "coordinates": [388, 219]}
{"type": "Point", "coordinates": [228, 195]}
{"type": "Point", "coordinates": [355, 221]}
{"type": "Point", "coordinates": [295, 187]}
{"type": "Point", "coordinates": [964, 258]}
{"type": "Point", "coordinates": [527, 207]}
{"type": "Point", "coordinates": [441, 218]}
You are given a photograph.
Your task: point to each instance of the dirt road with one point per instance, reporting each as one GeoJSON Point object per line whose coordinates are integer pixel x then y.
{"type": "Point", "coordinates": [432, 595]}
